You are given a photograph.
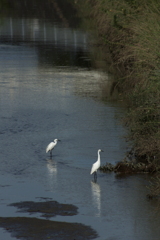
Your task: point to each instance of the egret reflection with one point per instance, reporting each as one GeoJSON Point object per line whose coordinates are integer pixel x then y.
{"type": "Point", "coordinates": [96, 196]}
{"type": "Point", "coordinates": [52, 172]}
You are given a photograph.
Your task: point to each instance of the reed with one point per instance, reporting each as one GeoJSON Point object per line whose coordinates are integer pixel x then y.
{"type": "Point", "coordinates": [130, 28]}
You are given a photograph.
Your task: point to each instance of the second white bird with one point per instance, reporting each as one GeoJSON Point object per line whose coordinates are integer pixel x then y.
{"type": "Point", "coordinates": [96, 165]}
{"type": "Point", "coordinates": [51, 146]}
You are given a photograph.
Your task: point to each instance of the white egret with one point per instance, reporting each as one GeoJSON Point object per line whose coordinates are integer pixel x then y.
{"type": "Point", "coordinates": [51, 146]}
{"type": "Point", "coordinates": [96, 165]}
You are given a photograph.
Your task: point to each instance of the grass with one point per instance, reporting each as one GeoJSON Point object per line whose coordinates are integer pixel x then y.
{"type": "Point", "coordinates": [131, 31]}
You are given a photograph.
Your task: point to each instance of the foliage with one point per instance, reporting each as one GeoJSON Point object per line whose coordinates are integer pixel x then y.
{"type": "Point", "coordinates": [131, 30]}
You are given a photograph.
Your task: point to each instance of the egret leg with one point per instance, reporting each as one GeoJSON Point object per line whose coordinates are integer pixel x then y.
{"type": "Point", "coordinates": [95, 176]}
{"type": "Point", "coordinates": [50, 153]}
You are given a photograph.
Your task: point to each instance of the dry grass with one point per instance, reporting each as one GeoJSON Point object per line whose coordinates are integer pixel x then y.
{"type": "Point", "coordinates": [131, 30]}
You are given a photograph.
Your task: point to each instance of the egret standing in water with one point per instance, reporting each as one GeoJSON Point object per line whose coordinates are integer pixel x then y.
{"type": "Point", "coordinates": [96, 165]}
{"type": "Point", "coordinates": [51, 146]}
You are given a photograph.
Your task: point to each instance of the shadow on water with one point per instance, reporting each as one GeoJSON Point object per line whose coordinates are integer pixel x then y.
{"type": "Point", "coordinates": [48, 209]}
{"type": "Point", "coordinates": [34, 228]}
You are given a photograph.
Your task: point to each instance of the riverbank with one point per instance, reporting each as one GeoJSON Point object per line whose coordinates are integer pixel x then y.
{"type": "Point", "coordinates": [131, 31]}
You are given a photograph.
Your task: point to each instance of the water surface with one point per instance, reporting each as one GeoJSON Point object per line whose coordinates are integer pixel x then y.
{"type": "Point", "coordinates": [49, 89]}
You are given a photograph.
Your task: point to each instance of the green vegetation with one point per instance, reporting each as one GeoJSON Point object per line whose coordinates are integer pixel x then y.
{"type": "Point", "coordinates": [131, 30]}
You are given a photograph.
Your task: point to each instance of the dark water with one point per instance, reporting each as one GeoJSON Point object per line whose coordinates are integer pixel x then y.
{"type": "Point", "coordinates": [49, 89]}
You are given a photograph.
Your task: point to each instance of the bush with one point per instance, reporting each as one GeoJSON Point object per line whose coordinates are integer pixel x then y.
{"type": "Point", "coordinates": [131, 30]}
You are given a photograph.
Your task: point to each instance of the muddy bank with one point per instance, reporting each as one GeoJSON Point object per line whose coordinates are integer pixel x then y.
{"type": "Point", "coordinates": [47, 208]}
{"type": "Point", "coordinates": [131, 167]}
{"type": "Point", "coordinates": [33, 229]}
{"type": "Point", "coordinates": [127, 29]}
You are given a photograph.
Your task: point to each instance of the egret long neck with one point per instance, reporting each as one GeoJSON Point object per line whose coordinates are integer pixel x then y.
{"type": "Point", "coordinates": [98, 157]}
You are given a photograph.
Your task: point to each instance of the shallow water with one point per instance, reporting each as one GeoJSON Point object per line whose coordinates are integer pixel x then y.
{"type": "Point", "coordinates": [48, 90]}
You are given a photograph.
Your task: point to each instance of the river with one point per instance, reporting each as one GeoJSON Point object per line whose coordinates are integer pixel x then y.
{"type": "Point", "coordinates": [50, 89]}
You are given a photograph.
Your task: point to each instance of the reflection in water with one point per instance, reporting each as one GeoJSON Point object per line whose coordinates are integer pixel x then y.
{"type": "Point", "coordinates": [39, 32]}
{"type": "Point", "coordinates": [52, 172]}
{"type": "Point", "coordinates": [96, 194]}
{"type": "Point", "coordinates": [11, 28]}
{"type": "Point", "coordinates": [61, 46]}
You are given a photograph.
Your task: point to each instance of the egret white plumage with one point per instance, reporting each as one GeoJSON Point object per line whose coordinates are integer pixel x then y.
{"type": "Point", "coordinates": [51, 146]}
{"type": "Point", "coordinates": [96, 165]}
